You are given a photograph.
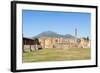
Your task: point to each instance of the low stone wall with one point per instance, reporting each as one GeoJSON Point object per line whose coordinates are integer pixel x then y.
{"type": "Point", "coordinates": [32, 47]}
{"type": "Point", "coordinates": [28, 47]}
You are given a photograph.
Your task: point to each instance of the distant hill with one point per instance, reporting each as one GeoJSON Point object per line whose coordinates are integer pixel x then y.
{"type": "Point", "coordinates": [52, 34]}
{"type": "Point", "coordinates": [69, 36]}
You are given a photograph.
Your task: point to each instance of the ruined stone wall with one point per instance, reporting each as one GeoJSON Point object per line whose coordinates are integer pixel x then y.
{"type": "Point", "coordinates": [63, 43]}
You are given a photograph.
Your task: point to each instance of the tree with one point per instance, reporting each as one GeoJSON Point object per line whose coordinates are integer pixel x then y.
{"type": "Point", "coordinates": [87, 38]}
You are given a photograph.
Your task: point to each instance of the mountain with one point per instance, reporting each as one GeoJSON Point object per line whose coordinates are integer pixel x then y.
{"type": "Point", "coordinates": [52, 34]}
{"type": "Point", "coordinates": [48, 34]}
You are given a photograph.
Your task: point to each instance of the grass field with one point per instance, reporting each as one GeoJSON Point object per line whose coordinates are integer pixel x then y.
{"type": "Point", "coordinates": [54, 54]}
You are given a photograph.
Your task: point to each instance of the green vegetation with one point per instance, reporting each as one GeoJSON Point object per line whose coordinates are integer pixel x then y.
{"type": "Point", "coordinates": [54, 54]}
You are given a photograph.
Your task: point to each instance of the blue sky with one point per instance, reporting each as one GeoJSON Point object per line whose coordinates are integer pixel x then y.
{"type": "Point", "coordinates": [35, 22]}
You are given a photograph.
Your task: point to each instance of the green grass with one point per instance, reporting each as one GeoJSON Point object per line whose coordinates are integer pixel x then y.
{"type": "Point", "coordinates": [54, 54]}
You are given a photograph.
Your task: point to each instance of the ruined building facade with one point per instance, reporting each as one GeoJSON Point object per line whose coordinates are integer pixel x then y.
{"type": "Point", "coordinates": [47, 42]}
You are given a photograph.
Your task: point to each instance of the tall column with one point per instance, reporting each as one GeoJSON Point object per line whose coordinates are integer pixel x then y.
{"type": "Point", "coordinates": [76, 32]}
